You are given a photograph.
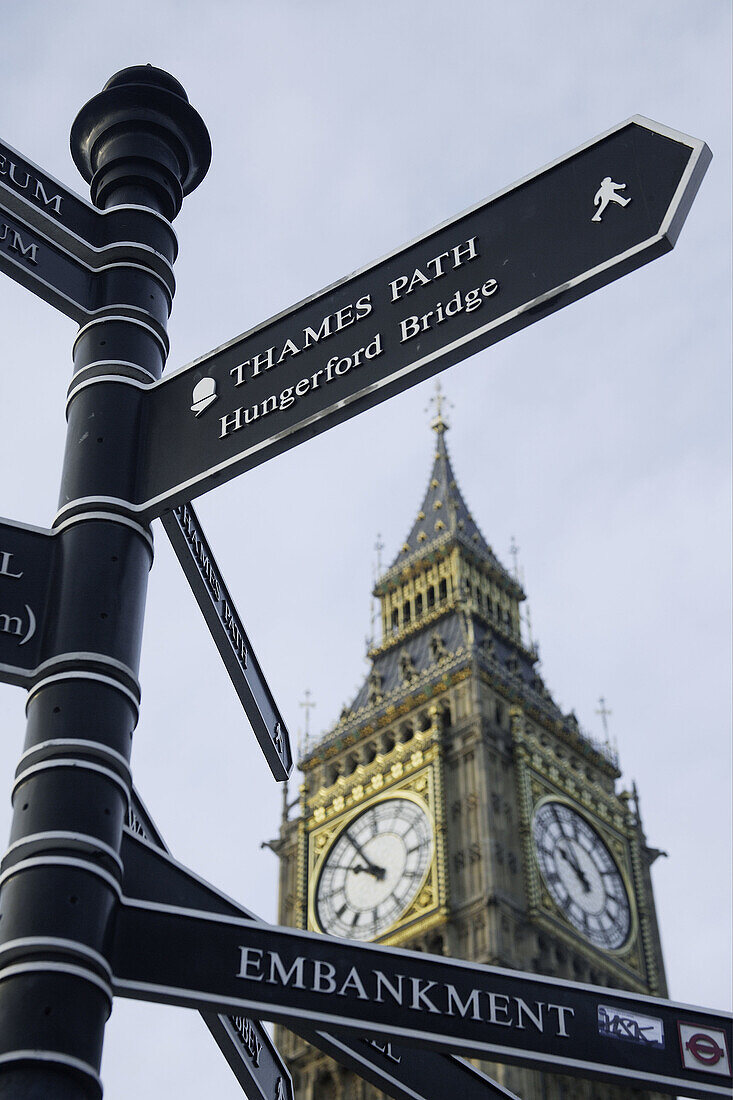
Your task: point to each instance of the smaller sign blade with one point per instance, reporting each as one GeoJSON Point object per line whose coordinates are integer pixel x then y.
{"type": "Point", "coordinates": [45, 268]}
{"type": "Point", "coordinates": [252, 1056]}
{"type": "Point", "coordinates": [27, 556]}
{"type": "Point", "coordinates": [405, 1073]}
{"type": "Point", "coordinates": [95, 237]}
{"type": "Point", "coordinates": [61, 275]}
{"type": "Point", "coordinates": [197, 561]}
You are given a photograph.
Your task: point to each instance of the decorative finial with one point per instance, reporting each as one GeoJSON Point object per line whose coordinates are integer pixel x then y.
{"type": "Point", "coordinates": [514, 551]}
{"type": "Point", "coordinates": [439, 424]}
{"type": "Point", "coordinates": [304, 740]}
{"type": "Point", "coordinates": [379, 547]}
{"type": "Point", "coordinates": [376, 573]}
{"type": "Point", "coordinates": [307, 706]}
{"type": "Point", "coordinates": [635, 796]}
{"type": "Point", "coordinates": [604, 713]}
{"type": "Point", "coordinates": [528, 620]}
{"type": "Point", "coordinates": [152, 105]}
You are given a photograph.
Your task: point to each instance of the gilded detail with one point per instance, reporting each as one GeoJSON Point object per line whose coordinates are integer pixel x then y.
{"type": "Point", "coordinates": [454, 718]}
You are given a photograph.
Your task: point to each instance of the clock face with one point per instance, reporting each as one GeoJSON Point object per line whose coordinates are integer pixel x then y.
{"type": "Point", "coordinates": [374, 869]}
{"type": "Point", "coordinates": [581, 875]}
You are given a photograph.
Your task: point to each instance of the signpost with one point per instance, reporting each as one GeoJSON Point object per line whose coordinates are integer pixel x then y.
{"type": "Point", "coordinates": [73, 602]}
{"type": "Point", "coordinates": [402, 1072]}
{"type": "Point", "coordinates": [193, 552]}
{"type": "Point", "coordinates": [528, 251]}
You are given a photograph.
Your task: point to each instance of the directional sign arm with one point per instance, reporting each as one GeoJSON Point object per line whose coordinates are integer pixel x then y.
{"type": "Point", "coordinates": [98, 237]}
{"type": "Point", "coordinates": [68, 282]}
{"type": "Point", "coordinates": [252, 1056]}
{"type": "Point", "coordinates": [226, 965]}
{"type": "Point", "coordinates": [403, 1072]}
{"type": "Point", "coordinates": [151, 874]}
{"type": "Point", "coordinates": [588, 218]}
{"type": "Point", "coordinates": [28, 557]}
{"type": "Point", "coordinates": [184, 530]}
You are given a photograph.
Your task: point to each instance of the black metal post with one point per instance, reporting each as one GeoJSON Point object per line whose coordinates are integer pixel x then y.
{"type": "Point", "coordinates": [138, 142]}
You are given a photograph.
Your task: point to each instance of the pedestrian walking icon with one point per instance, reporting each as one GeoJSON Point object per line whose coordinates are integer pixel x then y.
{"type": "Point", "coordinates": [607, 193]}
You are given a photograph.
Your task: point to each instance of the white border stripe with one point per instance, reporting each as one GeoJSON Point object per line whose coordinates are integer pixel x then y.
{"type": "Point", "coordinates": [268, 1011]}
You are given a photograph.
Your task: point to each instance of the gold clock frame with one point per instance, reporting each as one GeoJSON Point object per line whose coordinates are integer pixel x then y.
{"type": "Point", "coordinates": [423, 889]}
{"type": "Point", "coordinates": [540, 775]}
{"type": "Point", "coordinates": [418, 779]}
{"type": "Point", "coordinates": [616, 847]}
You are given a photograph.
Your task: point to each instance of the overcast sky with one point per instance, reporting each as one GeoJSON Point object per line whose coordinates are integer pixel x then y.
{"type": "Point", "coordinates": [599, 438]}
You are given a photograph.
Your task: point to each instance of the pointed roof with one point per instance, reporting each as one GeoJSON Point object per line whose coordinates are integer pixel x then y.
{"type": "Point", "coordinates": [444, 516]}
{"type": "Point", "coordinates": [417, 661]}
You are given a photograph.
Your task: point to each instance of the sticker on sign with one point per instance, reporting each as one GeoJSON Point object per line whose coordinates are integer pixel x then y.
{"type": "Point", "coordinates": [704, 1049]}
{"type": "Point", "coordinates": [630, 1026]}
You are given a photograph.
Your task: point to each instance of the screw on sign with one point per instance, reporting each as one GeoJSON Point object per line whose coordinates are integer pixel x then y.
{"type": "Point", "coordinates": [704, 1049]}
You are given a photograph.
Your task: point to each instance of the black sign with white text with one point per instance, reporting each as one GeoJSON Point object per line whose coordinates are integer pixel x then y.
{"type": "Point", "coordinates": [406, 1073]}
{"type": "Point", "coordinates": [193, 552]}
{"type": "Point", "coordinates": [60, 277]}
{"type": "Point", "coordinates": [27, 556]}
{"type": "Point", "coordinates": [72, 603]}
{"type": "Point", "coordinates": [95, 237]}
{"type": "Point", "coordinates": [557, 235]}
{"type": "Point", "coordinates": [219, 964]}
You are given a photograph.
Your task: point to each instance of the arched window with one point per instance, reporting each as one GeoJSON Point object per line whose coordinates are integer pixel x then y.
{"type": "Point", "coordinates": [406, 612]}
{"type": "Point", "coordinates": [431, 597]}
{"type": "Point", "coordinates": [395, 621]}
{"type": "Point", "coordinates": [418, 606]}
{"type": "Point", "coordinates": [443, 590]}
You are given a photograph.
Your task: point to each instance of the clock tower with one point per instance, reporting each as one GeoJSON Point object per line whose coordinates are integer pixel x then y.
{"type": "Point", "coordinates": [454, 808]}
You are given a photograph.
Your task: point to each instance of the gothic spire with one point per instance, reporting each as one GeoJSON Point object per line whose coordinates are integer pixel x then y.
{"type": "Point", "coordinates": [443, 515]}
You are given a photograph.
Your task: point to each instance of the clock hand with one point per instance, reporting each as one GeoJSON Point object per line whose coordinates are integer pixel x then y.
{"type": "Point", "coordinates": [573, 863]}
{"type": "Point", "coordinates": [371, 868]}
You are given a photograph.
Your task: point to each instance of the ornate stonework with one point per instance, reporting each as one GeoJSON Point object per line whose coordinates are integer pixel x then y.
{"type": "Point", "coordinates": [455, 715]}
